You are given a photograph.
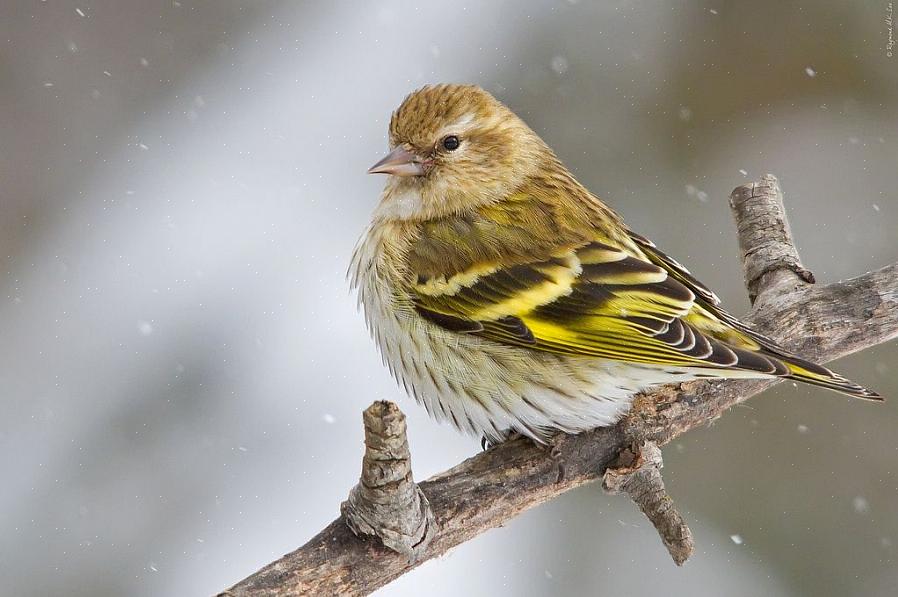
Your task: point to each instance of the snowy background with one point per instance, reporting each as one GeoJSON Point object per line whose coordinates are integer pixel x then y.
{"type": "Point", "coordinates": [182, 368]}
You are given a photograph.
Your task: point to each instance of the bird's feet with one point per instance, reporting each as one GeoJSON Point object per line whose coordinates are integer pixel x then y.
{"type": "Point", "coordinates": [551, 444]}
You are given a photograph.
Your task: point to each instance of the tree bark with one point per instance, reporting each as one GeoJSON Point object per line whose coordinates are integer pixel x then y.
{"type": "Point", "coordinates": [485, 491]}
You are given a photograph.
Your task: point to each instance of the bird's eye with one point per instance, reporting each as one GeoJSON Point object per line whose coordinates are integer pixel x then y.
{"type": "Point", "coordinates": [451, 143]}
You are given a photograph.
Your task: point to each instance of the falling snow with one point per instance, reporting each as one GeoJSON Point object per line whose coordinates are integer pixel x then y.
{"type": "Point", "coordinates": [699, 194]}
{"type": "Point", "coordinates": [737, 539]}
{"type": "Point", "coordinates": [559, 65]}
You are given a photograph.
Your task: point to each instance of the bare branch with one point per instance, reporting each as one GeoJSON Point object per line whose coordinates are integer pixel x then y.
{"type": "Point", "coordinates": [485, 491]}
{"type": "Point", "coordinates": [638, 474]}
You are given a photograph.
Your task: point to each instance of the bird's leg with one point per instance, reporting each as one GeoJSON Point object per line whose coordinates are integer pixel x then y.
{"type": "Point", "coordinates": [552, 445]}
{"type": "Point", "coordinates": [549, 443]}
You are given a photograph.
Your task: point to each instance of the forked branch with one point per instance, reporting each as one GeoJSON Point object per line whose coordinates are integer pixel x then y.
{"type": "Point", "coordinates": [485, 491]}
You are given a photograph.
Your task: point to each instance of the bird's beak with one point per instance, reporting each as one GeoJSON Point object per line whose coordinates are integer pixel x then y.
{"type": "Point", "coordinates": [400, 162]}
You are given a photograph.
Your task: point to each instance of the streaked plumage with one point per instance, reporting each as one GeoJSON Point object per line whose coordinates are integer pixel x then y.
{"type": "Point", "coordinates": [503, 295]}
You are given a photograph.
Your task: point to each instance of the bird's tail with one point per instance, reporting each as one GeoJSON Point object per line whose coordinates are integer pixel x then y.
{"type": "Point", "coordinates": [758, 353]}
{"type": "Point", "coordinates": [817, 375]}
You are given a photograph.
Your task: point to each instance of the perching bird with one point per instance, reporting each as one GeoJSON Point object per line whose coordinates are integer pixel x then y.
{"type": "Point", "coordinates": [505, 297]}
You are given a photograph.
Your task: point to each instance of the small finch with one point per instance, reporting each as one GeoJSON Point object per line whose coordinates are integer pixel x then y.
{"type": "Point", "coordinates": [504, 296]}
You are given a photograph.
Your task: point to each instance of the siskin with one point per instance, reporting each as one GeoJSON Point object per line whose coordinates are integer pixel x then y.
{"type": "Point", "coordinates": [504, 296]}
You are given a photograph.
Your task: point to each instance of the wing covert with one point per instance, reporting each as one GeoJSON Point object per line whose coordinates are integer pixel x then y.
{"type": "Point", "coordinates": [596, 300]}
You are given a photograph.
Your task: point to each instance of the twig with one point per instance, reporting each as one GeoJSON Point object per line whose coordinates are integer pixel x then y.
{"type": "Point", "coordinates": [485, 491]}
{"type": "Point", "coordinates": [638, 474]}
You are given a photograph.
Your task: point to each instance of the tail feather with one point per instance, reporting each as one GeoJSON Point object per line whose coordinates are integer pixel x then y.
{"type": "Point", "coordinates": [781, 364]}
{"type": "Point", "coordinates": [814, 374]}
{"type": "Point", "coordinates": [761, 354]}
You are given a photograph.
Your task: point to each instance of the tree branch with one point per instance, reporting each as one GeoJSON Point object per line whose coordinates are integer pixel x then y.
{"type": "Point", "coordinates": [638, 474]}
{"type": "Point", "coordinates": [485, 491]}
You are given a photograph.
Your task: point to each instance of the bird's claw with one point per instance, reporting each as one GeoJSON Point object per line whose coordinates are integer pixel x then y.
{"type": "Point", "coordinates": [486, 443]}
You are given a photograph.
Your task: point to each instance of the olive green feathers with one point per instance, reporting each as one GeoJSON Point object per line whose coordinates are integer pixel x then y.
{"type": "Point", "coordinates": [584, 293]}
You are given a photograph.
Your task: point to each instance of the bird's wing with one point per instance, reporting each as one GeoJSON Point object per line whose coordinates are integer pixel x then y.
{"type": "Point", "coordinates": [707, 313]}
{"type": "Point", "coordinates": [674, 268]}
{"type": "Point", "coordinates": [591, 295]}
{"type": "Point", "coordinates": [595, 299]}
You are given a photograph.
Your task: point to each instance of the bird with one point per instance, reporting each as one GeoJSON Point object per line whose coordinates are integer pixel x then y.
{"type": "Point", "coordinates": [506, 298]}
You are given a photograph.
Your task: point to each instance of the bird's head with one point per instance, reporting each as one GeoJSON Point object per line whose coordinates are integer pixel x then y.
{"type": "Point", "coordinates": [454, 148]}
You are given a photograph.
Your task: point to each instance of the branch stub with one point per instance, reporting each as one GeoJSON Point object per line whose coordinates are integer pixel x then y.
{"type": "Point", "coordinates": [387, 503]}
{"type": "Point", "coordinates": [765, 238]}
{"type": "Point", "coordinates": [637, 472]}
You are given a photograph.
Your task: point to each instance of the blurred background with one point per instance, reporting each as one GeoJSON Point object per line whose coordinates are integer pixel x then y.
{"type": "Point", "coordinates": [182, 367]}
